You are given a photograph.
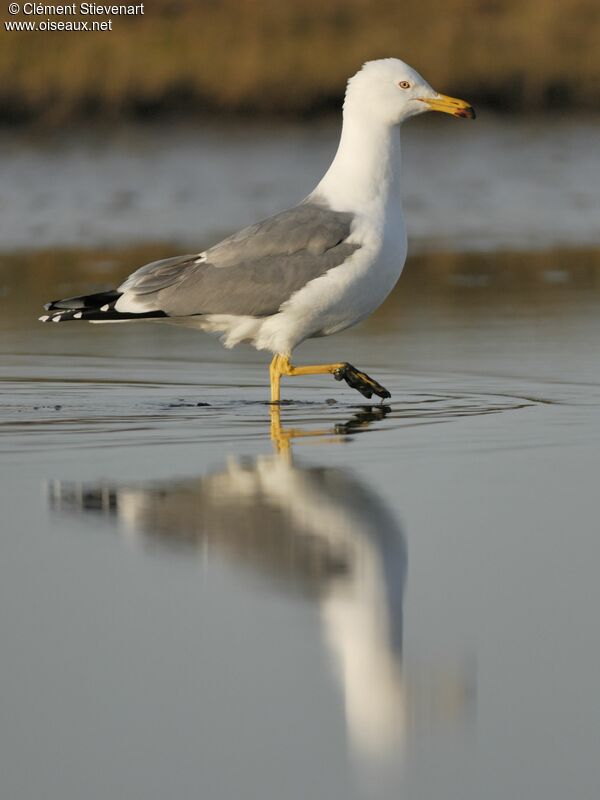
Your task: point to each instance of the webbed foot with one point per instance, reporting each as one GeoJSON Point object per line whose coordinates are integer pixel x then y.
{"type": "Point", "coordinates": [360, 381]}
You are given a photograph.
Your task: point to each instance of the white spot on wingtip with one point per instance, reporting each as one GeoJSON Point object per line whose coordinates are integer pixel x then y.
{"type": "Point", "coordinates": [45, 318]}
{"type": "Point", "coordinates": [78, 315]}
{"type": "Point", "coordinates": [104, 307]}
{"type": "Point", "coordinates": [57, 318]}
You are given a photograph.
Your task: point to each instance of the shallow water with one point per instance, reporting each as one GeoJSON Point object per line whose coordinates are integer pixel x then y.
{"type": "Point", "coordinates": [397, 601]}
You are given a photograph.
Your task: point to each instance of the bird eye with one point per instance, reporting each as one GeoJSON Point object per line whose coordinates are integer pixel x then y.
{"type": "Point", "coordinates": [404, 85]}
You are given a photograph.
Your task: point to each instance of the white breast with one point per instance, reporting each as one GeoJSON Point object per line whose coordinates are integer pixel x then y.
{"type": "Point", "coordinates": [346, 294]}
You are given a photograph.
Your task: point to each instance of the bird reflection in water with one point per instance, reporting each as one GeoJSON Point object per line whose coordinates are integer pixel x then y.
{"type": "Point", "coordinates": [316, 529]}
{"type": "Point", "coordinates": [283, 437]}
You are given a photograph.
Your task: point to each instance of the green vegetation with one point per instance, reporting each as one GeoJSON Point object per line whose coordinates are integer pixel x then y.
{"type": "Point", "coordinates": [293, 56]}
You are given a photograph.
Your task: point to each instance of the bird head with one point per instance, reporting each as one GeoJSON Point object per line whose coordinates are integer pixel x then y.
{"type": "Point", "coordinates": [392, 91]}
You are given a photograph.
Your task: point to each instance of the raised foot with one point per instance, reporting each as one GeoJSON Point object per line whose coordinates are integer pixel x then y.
{"type": "Point", "coordinates": [360, 381]}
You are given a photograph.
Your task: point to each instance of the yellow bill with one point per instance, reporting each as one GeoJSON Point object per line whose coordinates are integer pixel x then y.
{"type": "Point", "coordinates": [450, 105]}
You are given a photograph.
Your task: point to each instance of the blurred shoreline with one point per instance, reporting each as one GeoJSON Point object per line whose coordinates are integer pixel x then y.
{"type": "Point", "coordinates": [263, 58]}
{"type": "Point", "coordinates": [29, 278]}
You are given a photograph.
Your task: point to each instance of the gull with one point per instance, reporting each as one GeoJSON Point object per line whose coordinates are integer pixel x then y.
{"type": "Point", "coordinates": [309, 271]}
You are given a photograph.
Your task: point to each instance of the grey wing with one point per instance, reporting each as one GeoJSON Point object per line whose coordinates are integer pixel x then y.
{"type": "Point", "coordinates": [252, 272]}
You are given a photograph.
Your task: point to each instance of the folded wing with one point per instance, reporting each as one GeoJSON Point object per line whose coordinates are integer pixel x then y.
{"type": "Point", "coordinates": [251, 273]}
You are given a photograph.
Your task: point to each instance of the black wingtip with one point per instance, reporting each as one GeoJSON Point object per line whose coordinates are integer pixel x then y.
{"type": "Point", "coordinates": [86, 301]}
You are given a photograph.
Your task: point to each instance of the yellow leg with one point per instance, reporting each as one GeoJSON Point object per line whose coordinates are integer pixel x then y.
{"type": "Point", "coordinates": [316, 369]}
{"type": "Point", "coordinates": [280, 365]}
{"type": "Point", "coordinates": [275, 374]}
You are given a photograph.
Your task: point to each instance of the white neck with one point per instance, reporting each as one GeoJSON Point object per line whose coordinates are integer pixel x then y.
{"type": "Point", "coordinates": [365, 173]}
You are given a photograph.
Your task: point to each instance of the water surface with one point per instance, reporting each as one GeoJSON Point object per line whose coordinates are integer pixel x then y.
{"type": "Point", "coordinates": [496, 183]}
{"type": "Point", "coordinates": [396, 601]}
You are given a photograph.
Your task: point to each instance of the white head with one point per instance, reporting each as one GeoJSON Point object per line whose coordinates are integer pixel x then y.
{"type": "Point", "coordinates": [391, 91]}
